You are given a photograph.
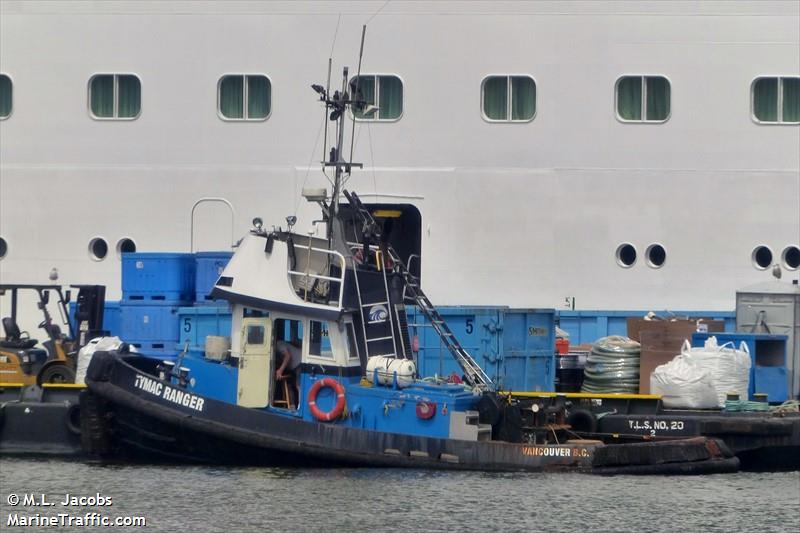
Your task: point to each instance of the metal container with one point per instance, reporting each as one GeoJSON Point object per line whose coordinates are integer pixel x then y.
{"type": "Point", "coordinates": [774, 307]}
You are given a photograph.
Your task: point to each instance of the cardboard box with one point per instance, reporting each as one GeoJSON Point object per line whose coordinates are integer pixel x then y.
{"type": "Point", "coordinates": [662, 340]}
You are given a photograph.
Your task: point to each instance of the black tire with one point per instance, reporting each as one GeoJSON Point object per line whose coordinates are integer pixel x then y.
{"type": "Point", "coordinates": [582, 421]}
{"type": "Point", "coordinates": [56, 373]}
{"type": "Point", "coordinates": [73, 419]}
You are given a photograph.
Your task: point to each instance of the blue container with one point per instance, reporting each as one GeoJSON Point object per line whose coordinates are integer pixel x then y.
{"type": "Point", "coordinates": [768, 372]}
{"type": "Point", "coordinates": [588, 326]}
{"type": "Point", "coordinates": [151, 324]}
{"type": "Point", "coordinates": [111, 316]}
{"type": "Point", "coordinates": [476, 328]}
{"type": "Point", "coordinates": [158, 278]}
{"type": "Point", "coordinates": [528, 372]}
{"type": "Point", "coordinates": [196, 323]}
{"type": "Point", "coordinates": [209, 267]}
{"type": "Point", "coordinates": [156, 350]}
{"type": "Point", "coordinates": [515, 347]}
{"type": "Point", "coordinates": [528, 346]}
{"type": "Point", "coordinates": [772, 381]}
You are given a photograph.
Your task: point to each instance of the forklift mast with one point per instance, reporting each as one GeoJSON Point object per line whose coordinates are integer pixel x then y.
{"type": "Point", "coordinates": [89, 307]}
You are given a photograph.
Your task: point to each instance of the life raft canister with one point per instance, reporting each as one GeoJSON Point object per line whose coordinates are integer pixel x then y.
{"type": "Point", "coordinates": [337, 410]}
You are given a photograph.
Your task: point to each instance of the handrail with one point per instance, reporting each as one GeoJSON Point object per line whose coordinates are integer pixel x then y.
{"type": "Point", "coordinates": [340, 279]}
{"type": "Point", "coordinates": [204, 200]}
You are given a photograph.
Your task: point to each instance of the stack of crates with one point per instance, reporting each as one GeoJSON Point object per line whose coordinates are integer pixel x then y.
{"type": "Point", "coordinates": [154, 286]}
{"type": "Point", "coordinates": [208, 268]}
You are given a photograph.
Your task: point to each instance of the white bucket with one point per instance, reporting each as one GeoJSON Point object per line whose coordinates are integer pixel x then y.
{"type": "Point", "coordinates": [217, 348]}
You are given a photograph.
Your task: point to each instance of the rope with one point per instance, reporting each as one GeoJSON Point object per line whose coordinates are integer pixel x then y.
{"type": "Point", "coordinates": [790, 406]}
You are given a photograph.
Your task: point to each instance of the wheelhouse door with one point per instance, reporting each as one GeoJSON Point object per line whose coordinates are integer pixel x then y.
{"type": "Point", "coordinates": [255, 362]}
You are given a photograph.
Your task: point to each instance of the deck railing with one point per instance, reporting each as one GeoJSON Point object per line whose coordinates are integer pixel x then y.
{"type": "Point", "coordinates": [310, 278]}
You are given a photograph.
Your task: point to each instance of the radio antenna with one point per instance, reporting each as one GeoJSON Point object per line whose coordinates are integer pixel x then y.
{"type": "Point", "coordinates": [327, 90]}
{"type": "Point", "coordinates": [356, 90]}
{"type": "Point", "coordinates": [328, 87]}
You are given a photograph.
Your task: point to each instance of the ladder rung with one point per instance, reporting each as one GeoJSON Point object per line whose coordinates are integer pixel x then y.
{"type": "Point", "coordinates": [374, 303]}
{"type": "Point", "coordinates": [379, 339]}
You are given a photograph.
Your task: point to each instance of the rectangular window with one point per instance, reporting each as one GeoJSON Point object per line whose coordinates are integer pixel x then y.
{"type": "Point", "coordinates": [115, 96]}
{"type": "Point", "coordinates": [319, 342]}
{"type": "Point", "coordinates": [5, 96]}
{"type": "Point", "coordinates": [643, 98]}
{"type": "Point", "coordinates": [382, 96]}
{"type": "Point", "coordinates": [352, 344]}
{"type": "Point", "coordinates": [509, 98]}
{"type": "Point", "coordinates": [776, 100]}
{"type": "Point", "coordinates": [255, 335]}
{"type": "Point", "coordinates": [244, 97]}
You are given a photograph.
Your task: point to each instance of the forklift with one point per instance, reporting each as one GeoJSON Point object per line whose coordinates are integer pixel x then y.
{"type": "Point", "coordinates": [22, 362]}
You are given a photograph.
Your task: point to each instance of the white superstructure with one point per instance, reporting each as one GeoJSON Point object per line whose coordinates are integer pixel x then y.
{"type": "Point", "coordinates": [527, 213]}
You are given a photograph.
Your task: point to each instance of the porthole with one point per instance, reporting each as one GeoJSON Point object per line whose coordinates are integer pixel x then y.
{"type": "Point", "coordinates": [125, 246]}
{"type": "Point", "coordinates": [656, 255]}
{"type": "Point", "coordinates": [98, 248]}
{"type": "Point", "coordinates": [790, 256]}
{"type": "Point", "coordinates": [626, 255]}
{"type": "Point", "coordinates": [3, 247]}
{"type": "Point", "coordinates": [761, 257]}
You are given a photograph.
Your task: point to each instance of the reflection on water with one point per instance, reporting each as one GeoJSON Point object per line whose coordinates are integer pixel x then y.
{"type": "Point", "coordinates": [208, 499]}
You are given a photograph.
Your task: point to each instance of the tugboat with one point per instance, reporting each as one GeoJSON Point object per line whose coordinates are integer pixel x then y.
{"type": "Point", "coordinates": [320, 369]}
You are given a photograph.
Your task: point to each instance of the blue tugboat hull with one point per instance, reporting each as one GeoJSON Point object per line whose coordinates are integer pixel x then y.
{"type": "Point", "coordinates": [153, 421]}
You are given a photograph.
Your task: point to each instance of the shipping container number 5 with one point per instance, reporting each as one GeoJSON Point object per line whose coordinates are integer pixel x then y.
{"type": "Point", "coordinates": [469, 327]}
{"type": "Point", "coordinates": [187, 325]}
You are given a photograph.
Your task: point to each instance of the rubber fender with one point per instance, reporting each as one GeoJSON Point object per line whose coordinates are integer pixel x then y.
{"type": "Point", "coordinates": [489, 409]}
{"type": "Point", "coordinates": [100, 367]}
{"type": "Point", "coordinates": [582, 421]}
{"type": "Point", "coordinates": [95, 431]}
{"type": "Point", "coordinates": [73, 419]}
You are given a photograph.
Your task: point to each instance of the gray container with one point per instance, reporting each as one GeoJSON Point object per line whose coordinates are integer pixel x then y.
{"type": "Point", "coordinates": [773, 307]}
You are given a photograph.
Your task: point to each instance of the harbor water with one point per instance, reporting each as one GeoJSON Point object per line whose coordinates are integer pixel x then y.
{"type": "Point", "coordinates": [209, 499]}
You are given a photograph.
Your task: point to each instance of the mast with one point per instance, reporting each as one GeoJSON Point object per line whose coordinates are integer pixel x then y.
{"type": "Point", "coordinates": [336, 154]}
{"type": "Point", "coordinates": [337, 105]}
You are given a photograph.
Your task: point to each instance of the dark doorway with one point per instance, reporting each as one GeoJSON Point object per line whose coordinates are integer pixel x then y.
{"type": "Point", "coordinates": [402, 224]}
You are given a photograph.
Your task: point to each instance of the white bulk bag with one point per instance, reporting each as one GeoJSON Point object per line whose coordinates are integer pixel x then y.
{"type": "Point", "coordinates": [682, 383]}
{"type": "Point", "coordinates": [729, 367]}
{"type": "Point", "coordinates": [85, 354]}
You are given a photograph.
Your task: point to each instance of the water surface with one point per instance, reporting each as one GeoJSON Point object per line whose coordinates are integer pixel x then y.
{"type": "Point", "coordinates": [210, 499]}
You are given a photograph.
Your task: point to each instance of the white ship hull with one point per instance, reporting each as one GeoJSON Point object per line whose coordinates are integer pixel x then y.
{"type": "Point", "coordinates": [526, 214]}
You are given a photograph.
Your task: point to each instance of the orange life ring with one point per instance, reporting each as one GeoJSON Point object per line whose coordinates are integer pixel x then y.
{"type": "Point", "coordinates": [337, 410]}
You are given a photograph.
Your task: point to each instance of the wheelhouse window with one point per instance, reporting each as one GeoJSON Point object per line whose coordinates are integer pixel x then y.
{"type": "Point", "coordinates": [319, 343]}
{"type": "Point", "coordinates": [5, 96]}
{"type": "Point", "coordinates": [776, 100]}
{"type": "Point", "coordinates": [244, 97]}
{"type": "Point", "coordinates": [643, 98]}
{"type": "Point", "coordinates": [508, 98]}
{"type": "Point", "coordinates": [115, 96]}
{"type": "Point", "coordinates": [383, 95]}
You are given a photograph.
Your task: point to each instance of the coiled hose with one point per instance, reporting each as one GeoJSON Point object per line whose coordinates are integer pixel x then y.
{"type": "Point", "coordinates": [612, 366]}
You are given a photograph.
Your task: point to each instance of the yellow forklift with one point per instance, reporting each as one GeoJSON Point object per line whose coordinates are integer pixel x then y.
{"type": "Point", "coordinates": [22, 362]}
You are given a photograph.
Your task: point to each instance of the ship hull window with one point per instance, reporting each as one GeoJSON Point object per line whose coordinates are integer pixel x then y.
{"type": "Point", "coordinates": [6, 88]}
{"type": "Point", "coordinates": [643, 99]}
{"type": "Point", "coordinates": [115, 97]}
{"type": "Point", "coordinates": [508, 98]}
{"type": "Point", "coordinates": [776, 100]}
{"type": "Point", "coordinates": [244, 97]}
{"type": "Point", "coordinates": [383, 97]}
